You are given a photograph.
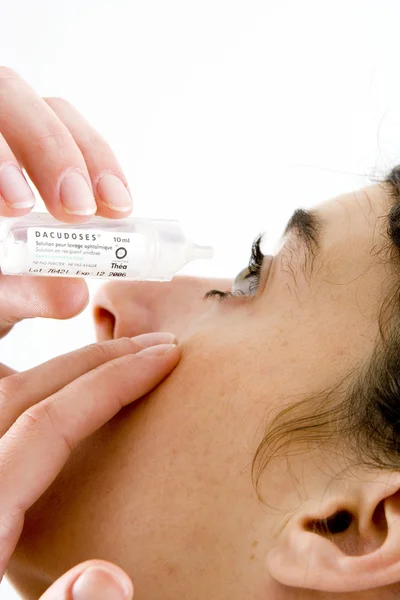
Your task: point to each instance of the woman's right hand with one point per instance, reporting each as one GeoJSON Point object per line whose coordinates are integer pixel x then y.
{"type": "Point", "coordinates": [75, 172]}
{"type": "Point", "coordinates": [45, 412]}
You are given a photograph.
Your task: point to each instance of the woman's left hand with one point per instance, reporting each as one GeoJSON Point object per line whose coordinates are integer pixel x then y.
{"type": "Point", "coordinates": [46, 412]}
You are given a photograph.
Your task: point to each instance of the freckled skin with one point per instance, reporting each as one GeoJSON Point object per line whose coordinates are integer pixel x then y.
{"type": "Point", "coordinates": [164, 489]}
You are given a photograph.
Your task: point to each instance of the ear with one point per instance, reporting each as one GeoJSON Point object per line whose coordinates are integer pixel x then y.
{"type": "Point", "coordinates": [346, 543]}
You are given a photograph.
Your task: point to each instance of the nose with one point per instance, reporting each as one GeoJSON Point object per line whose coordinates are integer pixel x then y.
{"type": "Point", "coordinates": [124, 308]}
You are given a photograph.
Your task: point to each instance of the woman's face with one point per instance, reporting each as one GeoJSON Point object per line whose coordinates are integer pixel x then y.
{"type": "Point", "coordinates": [164, 489]}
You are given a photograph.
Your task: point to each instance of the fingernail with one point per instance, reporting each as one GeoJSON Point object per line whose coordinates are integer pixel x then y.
{"type": "Point", "coordinates": [113, 193]}
{"type": "Point", "coordinates": [154, 338]}
{"type": "Point", "coordinates": [156, 350]}
{"type": "Point", "coordinates": [102, 584]}
{"type": "Point", "coordinates": [76, 196]}
{"type": "Point", "coordinates": [14, 188]}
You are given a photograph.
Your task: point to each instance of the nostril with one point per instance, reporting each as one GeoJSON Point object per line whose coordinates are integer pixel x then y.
{"type": "Point", "coordinates": [105, 323]}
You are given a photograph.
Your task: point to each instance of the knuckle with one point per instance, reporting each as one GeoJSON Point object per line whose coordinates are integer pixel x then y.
{"type": "Point", "coordinates": [101, 352]}
{"type": "Point", "coordinates": [106, 351]}
{"type": "Point", "coordinates": [32, 416]}
{"type": "Point", "coordinates": [11, 388]}
{"type": "Point", "coordinates": [52, 140]}
{"type": "Point", "coordinates": [96, 354]}
{"type": "Point", "coordinates": [41, 415]}
{"type": "Point", "coordinates": [128, 342]}
{"type": "Point", "coordinates": [129, 345]}
{"type": "Point", "coordinates": [36, 416]}
{"type": "Point", "coordinates": [27, 424]}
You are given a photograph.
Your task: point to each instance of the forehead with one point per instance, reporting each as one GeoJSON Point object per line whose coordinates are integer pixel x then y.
{"type": "Point", "coordinates": [357, 218]}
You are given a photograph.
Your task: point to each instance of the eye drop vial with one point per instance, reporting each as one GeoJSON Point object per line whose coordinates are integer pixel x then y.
{"type": "Point", "coordinates": [131, 248]}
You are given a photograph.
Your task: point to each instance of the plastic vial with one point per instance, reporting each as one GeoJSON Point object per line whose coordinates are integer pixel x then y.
{"type": "Point", "coordinates": [131, 248]}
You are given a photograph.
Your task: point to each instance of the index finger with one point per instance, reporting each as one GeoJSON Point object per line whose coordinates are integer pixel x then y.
{"type": "Point", "coordinates": [45, 147]}
{"type": "Point", "coordinates": [20, 391]}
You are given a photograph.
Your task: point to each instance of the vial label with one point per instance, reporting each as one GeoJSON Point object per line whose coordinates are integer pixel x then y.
{"type": "Point", "coordinates": [84, 253]}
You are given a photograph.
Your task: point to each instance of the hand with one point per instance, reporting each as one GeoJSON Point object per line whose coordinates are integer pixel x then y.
{"type": "Point", "coordinates": [76, 174]}
{"type": "Point", "coordinates": [73, 168]}
{"type": "Point", "coordinates": [45, 412]}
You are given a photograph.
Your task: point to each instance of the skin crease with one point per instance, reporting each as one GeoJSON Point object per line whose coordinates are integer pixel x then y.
{"type": "Point", "coordinates": [164, 489]}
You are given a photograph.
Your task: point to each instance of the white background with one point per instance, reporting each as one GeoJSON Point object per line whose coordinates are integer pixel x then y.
{"type": "Point", "coordinates": [225, 114]}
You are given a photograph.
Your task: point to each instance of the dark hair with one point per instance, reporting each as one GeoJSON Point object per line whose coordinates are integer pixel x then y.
{"type": "Point", "coordinates": [360, 414]}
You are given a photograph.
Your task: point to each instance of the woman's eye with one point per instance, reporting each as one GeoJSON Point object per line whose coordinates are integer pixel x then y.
{"type": "Point", "coordinates": [245, 283]}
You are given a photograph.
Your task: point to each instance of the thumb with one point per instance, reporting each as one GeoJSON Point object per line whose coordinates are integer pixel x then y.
{"type": "Point", "coordinates": [92, 579]}
{"type": "Point", "coordinates": [27, 297]}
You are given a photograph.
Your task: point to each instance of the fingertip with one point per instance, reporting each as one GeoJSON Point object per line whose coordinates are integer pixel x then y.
{"type": "Point", "coordinates": [77, 293]}
{"type": "Point", "coordinates": [84, 299]}
{"type": "Point", "coordinates": [14, 212]}
{"type": "Point", "coordinates": [46, 297]}
{"type": "Point", "coordinates": [102, 582]}
{"type": "Point", "coordinates": [71, 583]}
{"type": "Point", "coordinates": [157, 351]}
{"type": "Point", "coordinates": [57, 211]}
{"type": "Point", "coordinates": [61, 298]}
{"type": "Point", "coordinates": [111, 213]}
{"type": "Point", "coordinates": [117, 572]}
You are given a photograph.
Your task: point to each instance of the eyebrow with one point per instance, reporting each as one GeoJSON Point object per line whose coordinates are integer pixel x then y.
{"type": "Point", "coordinates": [308, 226]}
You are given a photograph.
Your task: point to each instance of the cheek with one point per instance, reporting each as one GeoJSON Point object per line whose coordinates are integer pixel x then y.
{"type": "Point", "coordinates": [155, 470]}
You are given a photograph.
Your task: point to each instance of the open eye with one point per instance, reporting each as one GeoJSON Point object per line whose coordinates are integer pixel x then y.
{"type": "Point", "coordinates": [246, 282]}
{"type": "Point", "coordinates": [248, 279]}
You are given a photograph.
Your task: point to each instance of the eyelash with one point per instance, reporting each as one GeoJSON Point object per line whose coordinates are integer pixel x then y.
{"type": "Point", "coordinates": [254, 267]}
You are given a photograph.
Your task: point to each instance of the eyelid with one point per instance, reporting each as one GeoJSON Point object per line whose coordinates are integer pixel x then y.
{"type": "Point", "coordinates": [289, 251]}
{"type": "Point", "coordinates": [266, 269]}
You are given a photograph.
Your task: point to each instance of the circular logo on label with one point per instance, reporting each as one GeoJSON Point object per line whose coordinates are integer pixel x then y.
{"type": "Point", "coordinates": [121, 253]}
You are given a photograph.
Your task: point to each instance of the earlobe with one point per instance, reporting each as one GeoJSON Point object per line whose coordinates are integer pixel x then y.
{"type": "Point", "coordinates": [341, 545]}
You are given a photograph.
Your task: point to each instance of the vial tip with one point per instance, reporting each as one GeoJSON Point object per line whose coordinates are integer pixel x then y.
{"type": "Point", "coordinates": [202, 251]}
